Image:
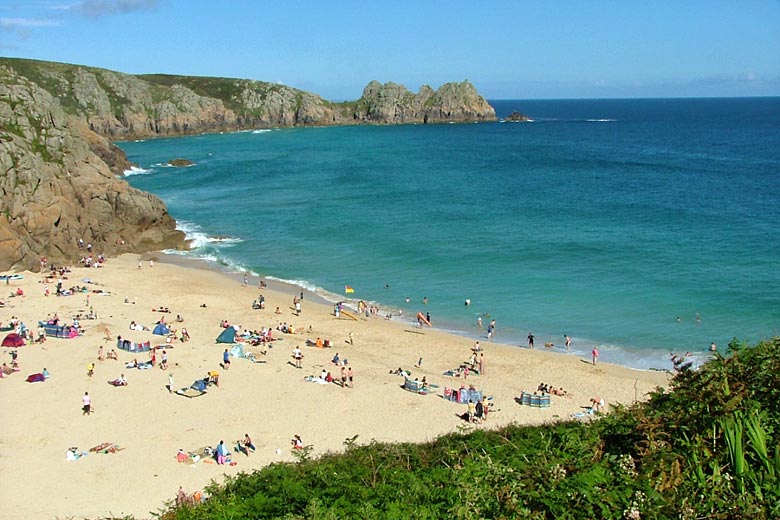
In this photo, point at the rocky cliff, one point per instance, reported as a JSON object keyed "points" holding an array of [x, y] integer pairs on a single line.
{"points": [[56, 189], [122, 106], [58, 164]]}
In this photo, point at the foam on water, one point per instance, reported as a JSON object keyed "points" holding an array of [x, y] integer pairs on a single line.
{"points": [[135, 170]]}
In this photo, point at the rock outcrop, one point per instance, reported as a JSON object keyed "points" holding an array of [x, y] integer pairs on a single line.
{"points": [[56, 189], [59, 166]]}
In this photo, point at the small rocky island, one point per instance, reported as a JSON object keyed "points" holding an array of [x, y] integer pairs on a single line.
{"points": [[517, 117], [180, 163]]}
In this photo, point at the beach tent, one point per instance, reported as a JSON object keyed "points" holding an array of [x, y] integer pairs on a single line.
{"points": [[161, 329], [13, 340], [227, 336]]}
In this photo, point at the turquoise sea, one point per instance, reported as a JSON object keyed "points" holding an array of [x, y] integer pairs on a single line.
{"points": [[603, 219]]}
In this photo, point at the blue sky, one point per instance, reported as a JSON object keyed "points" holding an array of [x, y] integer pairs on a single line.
{"points": [[508, 49]]}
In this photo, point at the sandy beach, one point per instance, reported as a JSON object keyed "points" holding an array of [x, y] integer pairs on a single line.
{"points": [[270, 401]]}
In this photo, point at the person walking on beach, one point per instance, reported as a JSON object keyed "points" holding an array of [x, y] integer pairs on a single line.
{"points": [[567, 339], [297, 356], [531, 340], [595, 354], [170, 383], [226, 359], [343, 377], [350, 378], [86, 402], [297, 307]]}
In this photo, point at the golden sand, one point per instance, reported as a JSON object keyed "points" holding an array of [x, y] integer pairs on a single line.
{"points": [[270, 401]]}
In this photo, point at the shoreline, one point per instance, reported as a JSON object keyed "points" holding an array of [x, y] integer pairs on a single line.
{"points": [[270, 401], [663, 356]]}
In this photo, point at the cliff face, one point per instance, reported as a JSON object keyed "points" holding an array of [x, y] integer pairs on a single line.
{"points": [[55, 189], [123, 106], [58, 165]]}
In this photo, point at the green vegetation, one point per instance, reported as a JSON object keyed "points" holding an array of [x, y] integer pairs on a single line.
{"points": [[706, 449]]}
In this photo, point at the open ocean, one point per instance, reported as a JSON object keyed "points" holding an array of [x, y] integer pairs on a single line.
{"points": [[602, 219]]}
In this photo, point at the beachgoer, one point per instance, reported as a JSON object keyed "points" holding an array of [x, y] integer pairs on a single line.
{"points": [[351, 379], [296, 442], [567, 339], [297, 356], [594, 354], [170, 383], [479, 322], [248, 444], [323, 374], [428, 317], [343, 377], [698, 318], [100, 356], [226, 359], [472, 409], [713, 347], [530, 340], [297, 308], [91, 369], [351, 338], [164, 362], [86, 402], [222, 453], [336, 360], [425, 300], [481, 364]]}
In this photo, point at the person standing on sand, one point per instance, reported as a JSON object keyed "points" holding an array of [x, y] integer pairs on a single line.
{"points": [[481, 364], [351, 338], [595, 354], [86, 402], [350, 377], [226, 359], [170, 383], [343, 377], [531, 340]]}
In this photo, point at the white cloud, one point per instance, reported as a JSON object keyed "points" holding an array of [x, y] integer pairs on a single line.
{"points": [[96, 8], [26, 23]]}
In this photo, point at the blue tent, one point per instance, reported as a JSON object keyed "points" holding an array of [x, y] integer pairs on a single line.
{"points": [[227, 336], [161, 329]]}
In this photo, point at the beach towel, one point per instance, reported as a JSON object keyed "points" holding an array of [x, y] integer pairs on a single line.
{"points": [[190, 392], [36, 378]]}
